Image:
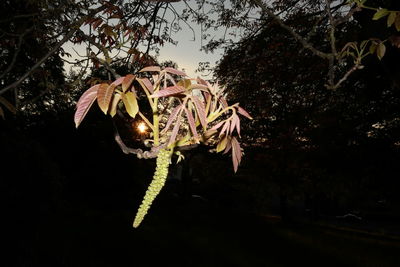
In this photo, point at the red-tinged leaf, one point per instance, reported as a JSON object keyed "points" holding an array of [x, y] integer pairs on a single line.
{"points": [[225, 128], [174, 71], [233, 123], [118, 81], [228, 146], [192, 124], [114, 104], [130, 103], [97, 23], [201, 111], [219, 124], [169, 77], [236, 153], [238, 125], [198, 86], [104, 96], [201, 81], [151, 68], [169, 91], [84, 104], [223, 102], [175, 132], [244, 113], [172, 117], [127, 81], [146, 84]]}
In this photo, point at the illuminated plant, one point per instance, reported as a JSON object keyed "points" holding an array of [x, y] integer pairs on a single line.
{"points": [[185, 113]]}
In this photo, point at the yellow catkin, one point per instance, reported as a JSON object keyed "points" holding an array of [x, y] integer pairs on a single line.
{"points": [[160, 175]]}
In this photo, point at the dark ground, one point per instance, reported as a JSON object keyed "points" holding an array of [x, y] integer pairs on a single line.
{"points": [[70, 201]]}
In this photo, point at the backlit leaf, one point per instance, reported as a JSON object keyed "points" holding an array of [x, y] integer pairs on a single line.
{"points": [[185, 83], [225, 128], [146, 84], [127, 82], [233, 123], [175, 131], [130, 103], [201, 111], [228, 146], [172, 117], [236, 153], [244, 113], [151, 68], [118, 81], [169, 91], [215, 127], [222, 144], [84, 104], [104, 96], [174, 71], [192, 124], [114, 104]]}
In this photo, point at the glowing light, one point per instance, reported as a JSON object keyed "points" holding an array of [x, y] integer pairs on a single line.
{"points": [[142, 127]]}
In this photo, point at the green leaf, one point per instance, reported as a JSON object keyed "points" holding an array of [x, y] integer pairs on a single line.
{"points": [[222, 144], [373, 47], [114, 104], [397, 22], [382, 12], [391, 18], [380, 52], [130, 103]]}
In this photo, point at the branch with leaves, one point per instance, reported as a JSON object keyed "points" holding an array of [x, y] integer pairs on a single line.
{"points": [[185, 113]]}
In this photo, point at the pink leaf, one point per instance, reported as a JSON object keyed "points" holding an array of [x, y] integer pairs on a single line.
{"points": [[244, 113], [201, 81], [172, 117], [201, 111], [238, 125], [175, 131], [228, 146], [223, 102], [174, 71], [146, 84], [169, 77], [118, 81], [169, 91], [233, 123], [219, 124], [84, 104], [198, 86], [192, 124], [236, 153], [151, 68], [225, 128], [104, 96], [127, 82]]}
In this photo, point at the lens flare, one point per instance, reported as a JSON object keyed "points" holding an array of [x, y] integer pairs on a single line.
{"points": [[142, 127]]}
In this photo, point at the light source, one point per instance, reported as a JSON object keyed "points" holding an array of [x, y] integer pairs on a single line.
{"points": [[142, 127]]}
